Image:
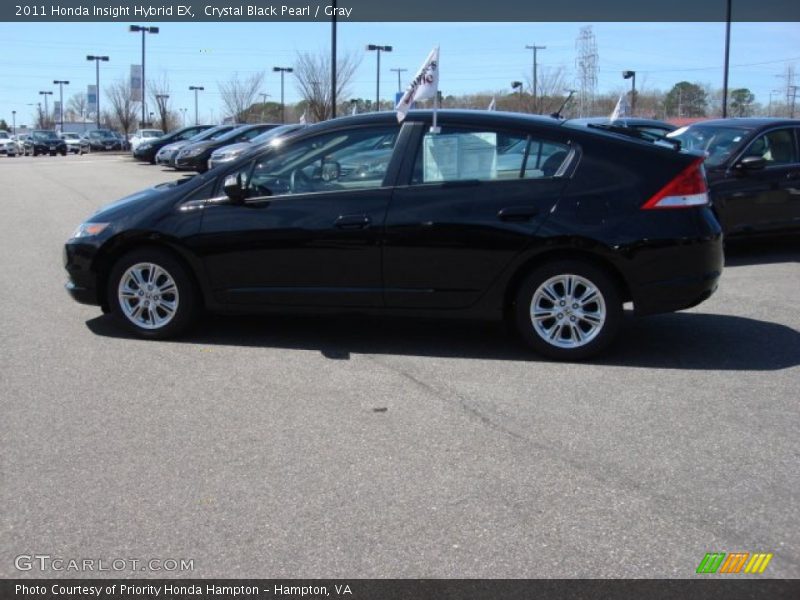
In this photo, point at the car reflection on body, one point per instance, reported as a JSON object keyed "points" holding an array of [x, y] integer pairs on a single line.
{"points": [[362, 214]]}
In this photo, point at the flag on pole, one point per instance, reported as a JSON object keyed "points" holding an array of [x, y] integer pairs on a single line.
{"points": [[492, 104], [621, 110], [303, 118], [423, 86]]}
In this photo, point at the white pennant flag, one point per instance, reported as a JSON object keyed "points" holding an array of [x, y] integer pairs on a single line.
{"points": [[303, 118], [621, 109], [492, 104], [423, 86]]}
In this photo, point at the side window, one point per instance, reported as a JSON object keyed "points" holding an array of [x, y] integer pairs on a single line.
{"points": [[337, 161], [470, 154], [776, 147]]}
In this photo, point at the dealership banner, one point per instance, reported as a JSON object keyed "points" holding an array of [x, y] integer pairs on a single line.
{"points": [[91, 99], [136, 83], [400, 589], [408, 10]]}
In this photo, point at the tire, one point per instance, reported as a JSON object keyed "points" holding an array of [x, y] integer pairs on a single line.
{"points": [[586, 297], [176, 307]]}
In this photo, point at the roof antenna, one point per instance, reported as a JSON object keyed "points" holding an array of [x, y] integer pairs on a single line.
{"points": [[557, 114]]}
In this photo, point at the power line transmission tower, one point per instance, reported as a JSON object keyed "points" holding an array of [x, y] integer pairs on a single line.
{"points": [[586, 66], [790, 87]]}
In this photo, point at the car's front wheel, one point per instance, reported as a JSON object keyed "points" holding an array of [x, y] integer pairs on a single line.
{"points": [[568, 309], [152, 294]]}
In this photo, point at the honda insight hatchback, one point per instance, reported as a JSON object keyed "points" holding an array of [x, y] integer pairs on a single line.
{"points": [[367, 215]]}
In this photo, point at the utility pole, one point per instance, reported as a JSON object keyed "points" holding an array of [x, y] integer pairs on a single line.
{"points": [[791, 96], [333, 61], [398, 71], [727, 56], [535, 49]]}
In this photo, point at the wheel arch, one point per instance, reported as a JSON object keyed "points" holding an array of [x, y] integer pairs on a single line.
{"points": [[563, 253], [121, 245]]}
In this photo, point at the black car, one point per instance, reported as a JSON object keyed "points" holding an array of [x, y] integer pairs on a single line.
{"points": [[44, 141], [652, 128], [147, 150], [753, 168], [195, 156], [102, 139], [585, 221]]}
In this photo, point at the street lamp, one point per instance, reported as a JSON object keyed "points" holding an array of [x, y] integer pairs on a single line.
{"points": [[378, 49], [136, 29], [46, 110], [61, 83], [398, 71], [517, 85], [632, 76], [195, 89], [97, 60], [282, 70]]}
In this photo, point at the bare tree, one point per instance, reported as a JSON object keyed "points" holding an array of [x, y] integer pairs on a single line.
{"points": [[313, 73], [78, 104], [551, 90], [159, 93], [123, 107], [238, 95]]}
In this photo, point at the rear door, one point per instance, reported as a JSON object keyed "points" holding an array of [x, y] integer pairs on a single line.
{"points": [[472, 197]]}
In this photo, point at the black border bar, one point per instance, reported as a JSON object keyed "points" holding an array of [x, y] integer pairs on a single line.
{"points": [[700, 588], [400, 10]]}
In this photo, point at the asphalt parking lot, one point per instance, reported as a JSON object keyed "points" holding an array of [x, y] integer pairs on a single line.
{"points": [[353, 447]]}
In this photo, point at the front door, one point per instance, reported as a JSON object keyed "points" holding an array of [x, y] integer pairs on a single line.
{"points": [[309, 232]]}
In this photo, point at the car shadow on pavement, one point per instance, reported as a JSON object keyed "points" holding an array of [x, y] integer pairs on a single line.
{"points": [[762, 251], [693, 341]]}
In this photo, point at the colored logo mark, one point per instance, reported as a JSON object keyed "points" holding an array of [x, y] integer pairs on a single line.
{"points": [[734, 562]]}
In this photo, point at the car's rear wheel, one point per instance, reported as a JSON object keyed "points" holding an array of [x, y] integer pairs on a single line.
{"points": [[568, 309], [152, 294]]}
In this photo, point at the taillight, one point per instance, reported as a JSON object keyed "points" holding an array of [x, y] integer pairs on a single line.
{"points": [[686, 190]]}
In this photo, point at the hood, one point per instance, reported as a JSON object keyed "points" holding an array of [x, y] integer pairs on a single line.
{"points": [[144, 202], [174, 146]]}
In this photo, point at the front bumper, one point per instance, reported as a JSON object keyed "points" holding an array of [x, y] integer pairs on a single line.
{"points": [[82, 284]]}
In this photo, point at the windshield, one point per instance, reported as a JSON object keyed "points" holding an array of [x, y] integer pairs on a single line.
{"points": [[45, 135], [718, 142], [151, 133], [274, 133], [211, 134], [70, 136]]}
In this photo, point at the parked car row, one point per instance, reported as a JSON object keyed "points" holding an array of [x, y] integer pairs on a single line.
{"points": [[203, 147], [49, 141]]}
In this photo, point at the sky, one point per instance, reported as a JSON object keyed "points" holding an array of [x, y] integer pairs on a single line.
{"points": [[474, 57]]}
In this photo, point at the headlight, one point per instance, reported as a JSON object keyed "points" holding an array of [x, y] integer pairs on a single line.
{"points": [[89, 229], [225, 156], [192, 151]]}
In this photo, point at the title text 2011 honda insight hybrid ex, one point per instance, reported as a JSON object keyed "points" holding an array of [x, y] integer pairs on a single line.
{"points": [[550, 225]]}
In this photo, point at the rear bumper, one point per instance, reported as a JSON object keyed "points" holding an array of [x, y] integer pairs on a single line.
{"points": [[680, 276]]}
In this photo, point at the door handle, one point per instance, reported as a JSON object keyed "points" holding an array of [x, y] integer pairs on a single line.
{"points": [[517, 213], [353, 222]]}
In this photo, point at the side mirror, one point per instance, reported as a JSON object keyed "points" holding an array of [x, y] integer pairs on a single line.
{"points": [[751, 163], [235, 187], [330, 170]]}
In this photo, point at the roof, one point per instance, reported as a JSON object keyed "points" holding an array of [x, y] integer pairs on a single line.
{"points": [[749, 122]]}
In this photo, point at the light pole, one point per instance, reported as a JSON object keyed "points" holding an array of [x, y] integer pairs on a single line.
{"points": [[632, 76], [195, 89], [161, 100], [398, 71], [97, 60], [535, 49], [333, 60], [282, 70], [264, 97], [378, 49], [14, 122], [144, 30], [46, 110], [727, 57], [61, 83], [183, 116]]}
